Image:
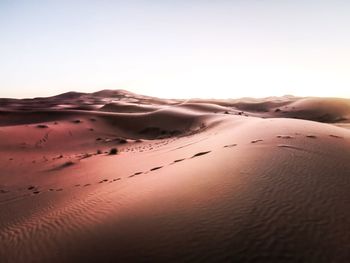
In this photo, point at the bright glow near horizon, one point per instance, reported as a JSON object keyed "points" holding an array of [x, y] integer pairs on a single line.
{"points": [[176, 49]]}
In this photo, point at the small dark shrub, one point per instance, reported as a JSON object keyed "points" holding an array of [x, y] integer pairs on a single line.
{"points": [[113, 151]]}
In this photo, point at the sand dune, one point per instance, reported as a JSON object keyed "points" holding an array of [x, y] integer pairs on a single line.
{"points": [[191, 181], [127, 108], [323, 110]]}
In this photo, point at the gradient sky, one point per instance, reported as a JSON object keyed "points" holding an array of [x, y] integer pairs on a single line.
{"points": [[184, 49]]}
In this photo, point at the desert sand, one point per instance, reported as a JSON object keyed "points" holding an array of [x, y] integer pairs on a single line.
{"points": [[236, 180]]}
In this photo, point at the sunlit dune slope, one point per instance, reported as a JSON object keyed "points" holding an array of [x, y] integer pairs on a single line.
{"points": [[190, 181]]}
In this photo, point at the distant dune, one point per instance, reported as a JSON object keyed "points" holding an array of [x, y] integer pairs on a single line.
{"points": [[114, 176]]}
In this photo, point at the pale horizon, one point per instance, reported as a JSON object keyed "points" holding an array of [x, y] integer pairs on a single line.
{"points": [[226, 49], [178, 97]]}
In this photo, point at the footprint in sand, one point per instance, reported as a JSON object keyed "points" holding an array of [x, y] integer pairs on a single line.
{"points": [[179, 160], [290, 147], [31, 188], [86, 185], [335, 136], [36, 192], [116, 179], [284, 136], [255, 141], [135, 174], [311, 136], [3, 191], [51, 190], [77, 185], [156, 168], [200, 154], [230, 145], [103, 181]]}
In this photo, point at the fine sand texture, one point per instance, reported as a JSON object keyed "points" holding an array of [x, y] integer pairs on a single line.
{"points": [[114, 176]]}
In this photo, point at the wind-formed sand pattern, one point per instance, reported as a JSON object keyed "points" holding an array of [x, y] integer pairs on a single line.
{"points": [[114, 176]]}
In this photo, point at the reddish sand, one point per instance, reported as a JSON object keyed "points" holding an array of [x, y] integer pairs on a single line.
{"points": [[245, 180]]}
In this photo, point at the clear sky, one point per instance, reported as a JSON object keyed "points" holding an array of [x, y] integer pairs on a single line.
{"points": [[179, 48]]}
